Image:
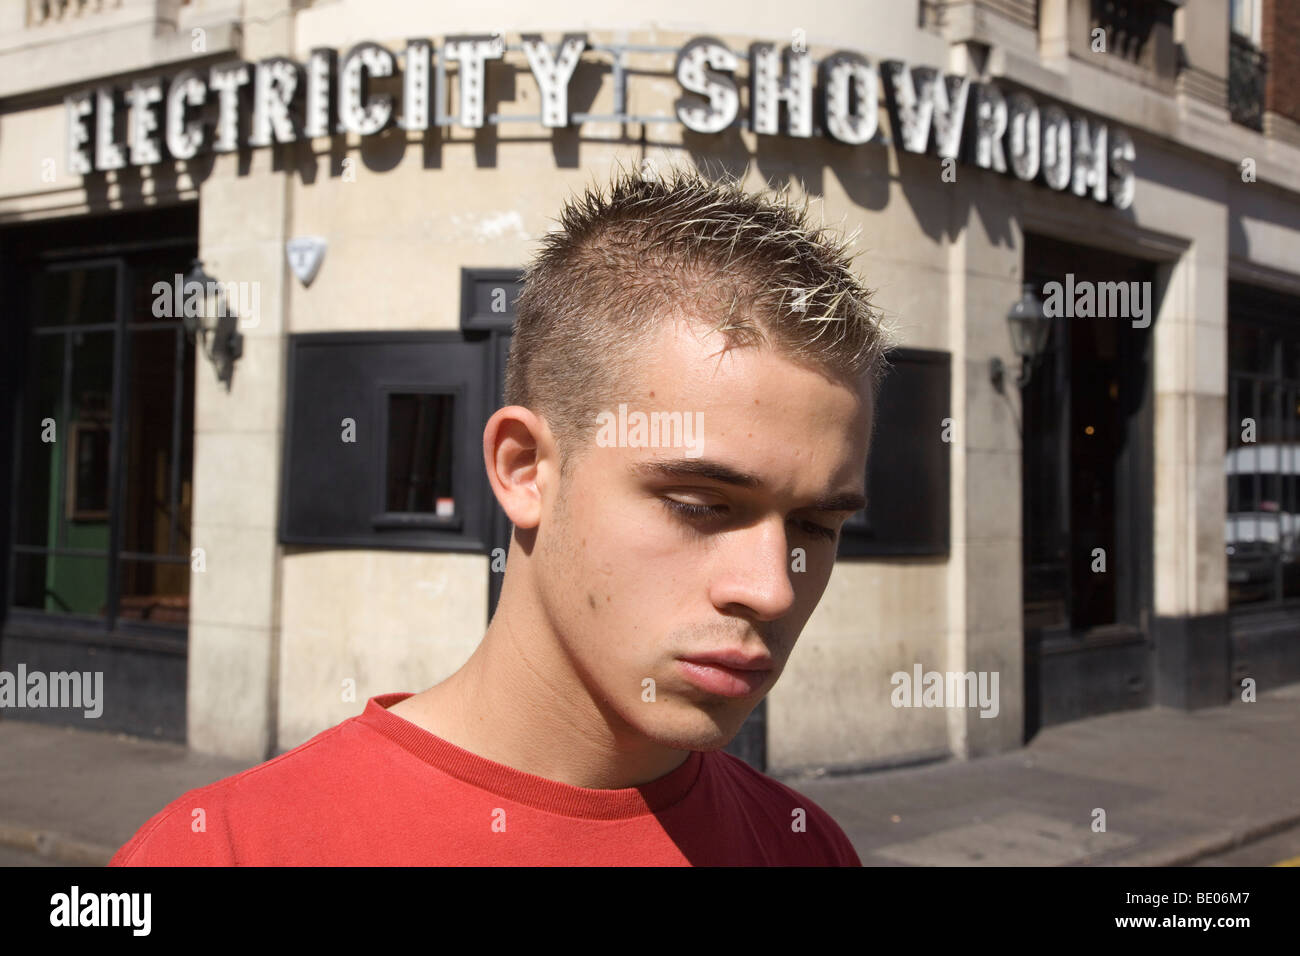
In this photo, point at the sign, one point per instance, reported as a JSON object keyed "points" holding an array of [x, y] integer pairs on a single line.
{"points": [[236, 105], [305, 254]]}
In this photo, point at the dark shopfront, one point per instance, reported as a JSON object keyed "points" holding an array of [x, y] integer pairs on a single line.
{"points": [[1262, 468], [1087, 486], [1092, 642], [98, 404]]}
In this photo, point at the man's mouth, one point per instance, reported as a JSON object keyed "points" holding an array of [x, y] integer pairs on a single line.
{"points": [[727, 674]]}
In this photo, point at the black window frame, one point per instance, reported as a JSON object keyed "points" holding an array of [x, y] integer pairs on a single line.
{"points": [[382, 518], [379, 529], [474, 278], [888, 487], [123, 257]]}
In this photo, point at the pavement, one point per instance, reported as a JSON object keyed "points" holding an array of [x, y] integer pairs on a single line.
{"points": [[1176, 787]]}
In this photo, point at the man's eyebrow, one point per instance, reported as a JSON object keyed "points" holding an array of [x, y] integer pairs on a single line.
{"points": [[725, 474]]}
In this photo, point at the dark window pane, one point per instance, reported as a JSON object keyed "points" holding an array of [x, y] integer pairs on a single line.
{"points": [[76, 296], [1243, 392], [88, 433], [1262, 539], [61, 584], [1045, 509], [156, 519], [146, 291], [88, 491], [1096, 439], [1251, 347], [1270, 412], [39, 432], [1270, 496], [1245, 492], [29, 572], [155, 591], [419, 454]]}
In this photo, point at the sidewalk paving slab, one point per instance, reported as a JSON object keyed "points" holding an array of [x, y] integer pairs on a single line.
{"points": [[1176, 786]]}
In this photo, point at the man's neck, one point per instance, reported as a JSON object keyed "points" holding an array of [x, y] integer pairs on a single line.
{"points": [[517, 702]]}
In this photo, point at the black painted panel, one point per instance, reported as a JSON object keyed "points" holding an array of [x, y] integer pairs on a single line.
{"points": [[333, 490], [1193, 663], [1265, 647], [482, 305], [908, 467], [143, 691], [1094, 680]]}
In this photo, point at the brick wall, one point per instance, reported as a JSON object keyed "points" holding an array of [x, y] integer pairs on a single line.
{"points": [[1280, 37]]}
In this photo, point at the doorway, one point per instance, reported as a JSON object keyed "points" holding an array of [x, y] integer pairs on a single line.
{"points": [[1087, 467]]}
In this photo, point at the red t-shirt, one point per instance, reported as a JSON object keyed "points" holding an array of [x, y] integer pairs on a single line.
{"points": [[379, 790]]}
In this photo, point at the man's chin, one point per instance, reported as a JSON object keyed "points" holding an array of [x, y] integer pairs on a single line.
{"points": [[697, 730]]}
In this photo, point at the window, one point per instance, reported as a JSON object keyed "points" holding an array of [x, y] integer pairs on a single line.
{"points": [[1086, 461], [105, 445], [419, 454], [418, 487], [1247, 65], [1139, 37], [1244, 16], [907, 474], [1262, 464], [383, 440]]}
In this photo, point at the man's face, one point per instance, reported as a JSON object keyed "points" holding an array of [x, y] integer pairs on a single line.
{"points": [[633, 587]]}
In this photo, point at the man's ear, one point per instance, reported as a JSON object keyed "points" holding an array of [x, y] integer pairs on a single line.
{"points": [[520, 456]]}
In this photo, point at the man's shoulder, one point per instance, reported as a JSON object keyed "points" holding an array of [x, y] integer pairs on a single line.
{"points": [[199, 827], [785, 806], [759, 785]]}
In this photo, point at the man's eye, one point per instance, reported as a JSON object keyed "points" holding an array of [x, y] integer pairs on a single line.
{"points": [[694, 512], [688, 510], [821, 531]]}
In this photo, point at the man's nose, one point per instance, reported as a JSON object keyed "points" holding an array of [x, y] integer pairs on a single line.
{"points": [[756, 571]]}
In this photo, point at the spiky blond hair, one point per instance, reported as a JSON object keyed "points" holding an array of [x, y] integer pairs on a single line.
{"points": [[746, 265]]}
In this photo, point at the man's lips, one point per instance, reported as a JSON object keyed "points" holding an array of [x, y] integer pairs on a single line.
{"points": [[727, 674], [733, 660]]}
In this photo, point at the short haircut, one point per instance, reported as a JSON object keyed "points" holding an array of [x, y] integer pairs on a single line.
{"points": [[747, 265]]}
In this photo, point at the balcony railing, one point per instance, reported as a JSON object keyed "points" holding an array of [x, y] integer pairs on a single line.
{"points": [[1247, 67], [1137, 32], [58, 11]]}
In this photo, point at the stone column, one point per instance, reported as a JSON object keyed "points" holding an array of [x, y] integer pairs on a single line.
{"points": [[234, 617], [1190, 356], [985, 630]]}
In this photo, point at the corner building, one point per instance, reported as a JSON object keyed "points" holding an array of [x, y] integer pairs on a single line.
{"points": [[188, 513]]}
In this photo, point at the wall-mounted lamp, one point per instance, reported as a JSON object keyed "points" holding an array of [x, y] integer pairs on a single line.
{"points": [[215, 330], [1030, 327]]}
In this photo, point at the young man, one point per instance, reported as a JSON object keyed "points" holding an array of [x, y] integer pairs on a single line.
{"points": [[690, 396]]}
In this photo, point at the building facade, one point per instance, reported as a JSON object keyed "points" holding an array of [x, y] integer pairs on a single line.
{"points": [[249, 491]]}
